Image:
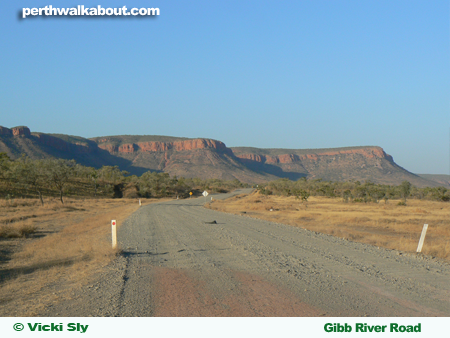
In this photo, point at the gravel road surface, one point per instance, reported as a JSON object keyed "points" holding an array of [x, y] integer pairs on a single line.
{"points": [[175, 264]]}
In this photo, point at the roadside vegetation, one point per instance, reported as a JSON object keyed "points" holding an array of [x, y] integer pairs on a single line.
{"points": [[70, 242], [60, 178], [22, 181], [382, 215], [55, 224], [391, 224], [354, 191]]}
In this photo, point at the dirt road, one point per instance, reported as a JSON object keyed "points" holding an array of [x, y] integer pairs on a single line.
{"points": [[175, 264]]}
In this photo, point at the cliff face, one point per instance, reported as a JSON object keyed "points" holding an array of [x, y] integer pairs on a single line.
{"points": [[207, 158], [369, 153], [359, 163], [18, 131], [157, 146], [200, 157]]}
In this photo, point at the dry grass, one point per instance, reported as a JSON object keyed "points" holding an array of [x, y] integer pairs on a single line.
{"points": [[386, 225], [17, 230], [68, 244]]}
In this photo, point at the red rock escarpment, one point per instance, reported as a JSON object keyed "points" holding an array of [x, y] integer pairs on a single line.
{"points": [[127, 148], [156, 146], [366, 152], [252, 157], [199, 144], [370, 152], [18, 131], [286, 158]]}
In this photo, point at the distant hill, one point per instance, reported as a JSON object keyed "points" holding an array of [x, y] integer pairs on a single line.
{"points": [[443, 180], [208, 158], [334, 164], [205, 158]]}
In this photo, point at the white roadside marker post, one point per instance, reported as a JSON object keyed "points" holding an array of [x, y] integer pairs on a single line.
{"points": [[139, 202], [114, 233], [422, 238]]}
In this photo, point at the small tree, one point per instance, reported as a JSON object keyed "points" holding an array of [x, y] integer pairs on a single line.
{"points": [[5, 169], [377, 193], [405, 190], [93, 175], [4, 165], [303, 195], [361, 193], [31, 174], [59, 173], [346, 195]]}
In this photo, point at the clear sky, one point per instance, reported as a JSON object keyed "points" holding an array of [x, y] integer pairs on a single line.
{"points": [[269, 74]]}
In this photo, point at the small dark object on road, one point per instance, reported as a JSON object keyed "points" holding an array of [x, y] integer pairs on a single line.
{"points": [[213, 222]]}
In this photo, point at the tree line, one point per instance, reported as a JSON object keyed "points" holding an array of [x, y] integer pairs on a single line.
{"points": [[353, 191], [25, 177]]}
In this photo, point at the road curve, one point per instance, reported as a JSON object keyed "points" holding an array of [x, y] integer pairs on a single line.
{"points": [[175, 264]]}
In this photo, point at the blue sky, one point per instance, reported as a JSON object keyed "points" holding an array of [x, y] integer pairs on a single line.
{"points": [[269, 74]]}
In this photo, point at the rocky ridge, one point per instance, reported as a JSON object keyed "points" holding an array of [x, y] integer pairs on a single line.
{"points": [[368, 152], [208, 158], [157, 146]]}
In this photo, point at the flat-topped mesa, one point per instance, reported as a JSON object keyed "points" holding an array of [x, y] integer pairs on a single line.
{"points": [[157, 146], [368, 152], [199, 143], [270, 159], [208, 158], [22, 130]]}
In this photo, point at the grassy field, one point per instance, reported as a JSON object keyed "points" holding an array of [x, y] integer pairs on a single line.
{"points": [[60, 247], [385, 225]]}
